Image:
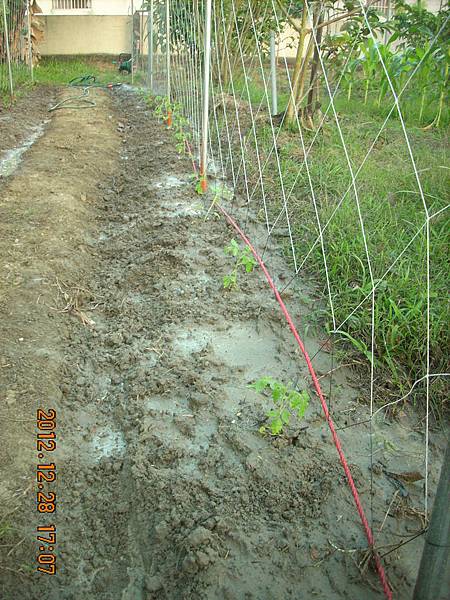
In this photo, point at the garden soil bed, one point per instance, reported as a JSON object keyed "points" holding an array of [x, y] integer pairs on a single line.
{"points": [[113, 313]]}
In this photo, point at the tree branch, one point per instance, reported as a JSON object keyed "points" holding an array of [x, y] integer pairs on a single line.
{"points": [[288, 17], [346, 15]]}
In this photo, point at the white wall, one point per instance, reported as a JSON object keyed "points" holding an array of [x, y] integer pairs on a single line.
{"points": [[94, 34], [99, 7]]}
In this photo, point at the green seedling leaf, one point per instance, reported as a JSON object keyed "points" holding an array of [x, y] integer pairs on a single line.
{"points": [[302, 405], [229, 281], [276, 426], [262, 384], [286, 404], [248, 262], [285, 416], [278, 392], [232, 248], [243, 257]]}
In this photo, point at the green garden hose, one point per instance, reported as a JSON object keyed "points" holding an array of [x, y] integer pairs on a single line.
{"points": [[81, 101]]}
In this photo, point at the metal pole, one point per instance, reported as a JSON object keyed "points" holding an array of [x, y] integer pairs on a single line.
{"points": [[132, 42], [168, 53], [150, 47], [8, 52], [30, 47], [206, 84], [433, 580], [273, 73]]}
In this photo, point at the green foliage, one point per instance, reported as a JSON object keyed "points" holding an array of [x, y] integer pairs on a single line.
{"points": [[15, 11], [180, 127], [161, 107], [353, 32], [412, 48], [244, 260], [412, 25], [393, 216], [181, 29], [394, 219], [287, 403], [428, 65]]}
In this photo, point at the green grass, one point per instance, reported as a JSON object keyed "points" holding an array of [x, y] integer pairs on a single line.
{"points": [[390, 204], [255, 90], [410, 104], [7, 533], [393, 213], [57, 71], [21, 82]]}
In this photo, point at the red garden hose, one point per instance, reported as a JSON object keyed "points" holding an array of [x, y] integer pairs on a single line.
{"points": [[336, 440]]}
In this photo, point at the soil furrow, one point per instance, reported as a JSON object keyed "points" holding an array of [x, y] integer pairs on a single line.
{"points": [[166, 488]]}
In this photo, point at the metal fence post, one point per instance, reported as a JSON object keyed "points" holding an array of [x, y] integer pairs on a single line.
{"points": [[169, 91], [150, 46], [132, 42], [30, 47], [433, 580], [273, 73], [8, 51], [206, 84]]}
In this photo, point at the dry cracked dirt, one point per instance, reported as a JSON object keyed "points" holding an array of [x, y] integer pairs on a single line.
{"points": [[113, 313]]}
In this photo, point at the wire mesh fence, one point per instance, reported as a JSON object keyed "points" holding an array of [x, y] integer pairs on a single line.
{"points": [[16, 59], [321, 147]]}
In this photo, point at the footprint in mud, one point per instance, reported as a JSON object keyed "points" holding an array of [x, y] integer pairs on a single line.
{"points": [[107, 442]]}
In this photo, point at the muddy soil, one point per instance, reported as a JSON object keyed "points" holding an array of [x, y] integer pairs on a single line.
{"points": [[114, 314], [21, 125]]}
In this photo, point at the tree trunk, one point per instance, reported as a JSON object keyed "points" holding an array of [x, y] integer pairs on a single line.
{"points": [[299, 68], [314, 86]]}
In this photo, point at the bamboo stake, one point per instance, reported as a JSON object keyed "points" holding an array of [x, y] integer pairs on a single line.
{"points": [[206, 85], [8, 52]]}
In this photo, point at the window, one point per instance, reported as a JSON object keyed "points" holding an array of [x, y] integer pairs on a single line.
{"points": [[383, 6], [71, 4]]}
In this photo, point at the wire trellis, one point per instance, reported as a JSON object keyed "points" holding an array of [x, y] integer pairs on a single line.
{"points": [[251, 171]]}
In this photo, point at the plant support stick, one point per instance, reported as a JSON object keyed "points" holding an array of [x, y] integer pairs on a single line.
{"points": [[150, 46], [8, 52], [273, 73], [30, 46], [206, 83], [169, 112]]}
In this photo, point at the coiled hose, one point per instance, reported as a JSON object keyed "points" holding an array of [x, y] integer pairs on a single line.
{"points": [[86, 82]]}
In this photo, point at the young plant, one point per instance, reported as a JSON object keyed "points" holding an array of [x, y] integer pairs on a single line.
{"points": [[219, 192], [162, 107], [349, 75], [200, 186], [287, 403], [243, 258], [369, 63]]}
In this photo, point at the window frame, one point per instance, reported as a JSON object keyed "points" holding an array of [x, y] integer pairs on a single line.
{"points": [[71, 5]]}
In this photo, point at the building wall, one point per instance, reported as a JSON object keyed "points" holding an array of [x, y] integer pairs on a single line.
{"points": [[86, 35], [106, 29], [99, 7]]}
